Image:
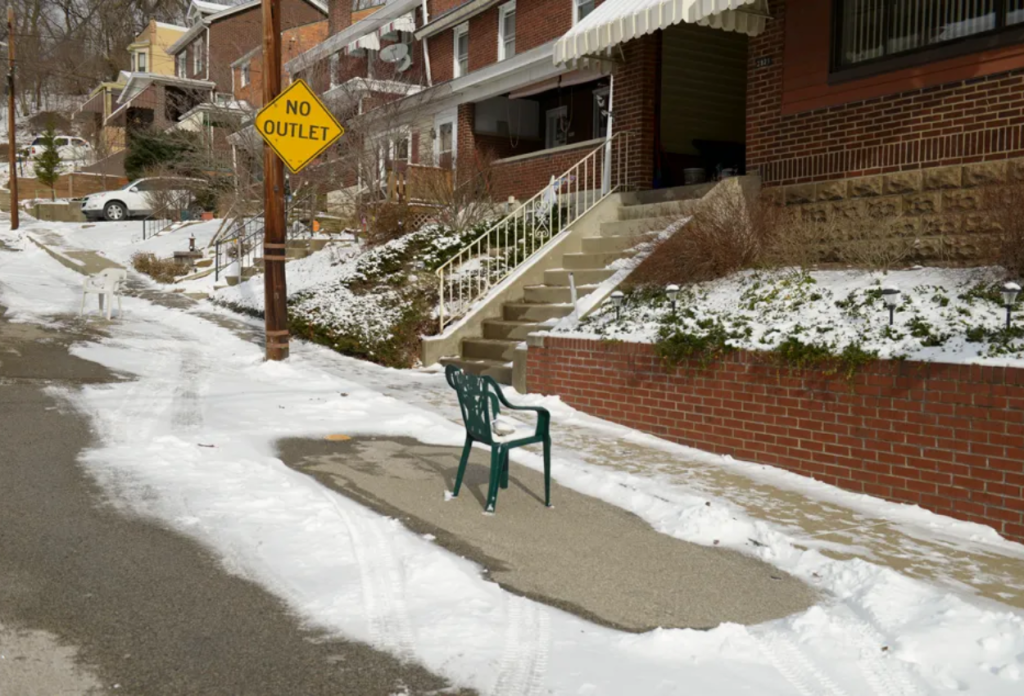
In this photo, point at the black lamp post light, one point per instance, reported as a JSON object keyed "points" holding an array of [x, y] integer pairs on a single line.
{"points": [[672, 292], [891, 297], [617, 297], [1010, 291]]}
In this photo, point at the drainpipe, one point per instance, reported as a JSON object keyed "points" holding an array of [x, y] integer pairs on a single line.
{"points": [[606, 175], [426, 53]]}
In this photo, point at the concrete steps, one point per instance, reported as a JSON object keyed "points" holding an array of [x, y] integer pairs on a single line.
{"points": [[554, 294], [641, 218], [498, 350], [501, 329], [500, 371]]}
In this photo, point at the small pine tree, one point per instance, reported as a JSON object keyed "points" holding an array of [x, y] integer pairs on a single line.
{"points": [[48, 163]]}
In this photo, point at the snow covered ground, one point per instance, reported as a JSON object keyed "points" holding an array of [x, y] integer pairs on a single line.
{"points": [[189, 441], [943, 315], [119, 241]]}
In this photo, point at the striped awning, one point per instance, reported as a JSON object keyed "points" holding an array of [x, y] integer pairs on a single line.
{"points": [[406, 22], [615, 22], [367, 41]]}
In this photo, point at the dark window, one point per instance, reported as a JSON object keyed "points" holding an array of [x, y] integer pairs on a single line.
{"points": [[868, 31]]}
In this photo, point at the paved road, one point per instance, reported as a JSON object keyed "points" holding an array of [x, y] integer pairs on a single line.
{"points": [[100, 603]]}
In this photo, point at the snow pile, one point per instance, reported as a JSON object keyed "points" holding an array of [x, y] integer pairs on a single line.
{"points": [[371, 303], [941, 315], [190, 441]]}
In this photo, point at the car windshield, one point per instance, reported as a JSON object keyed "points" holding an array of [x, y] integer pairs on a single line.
{"points": [[38, 141], [129, 185]]}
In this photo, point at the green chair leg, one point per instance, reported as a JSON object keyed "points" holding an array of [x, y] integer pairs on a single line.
{"points": [[504, 469], [492, 489], [462, 466], [547, 471]]}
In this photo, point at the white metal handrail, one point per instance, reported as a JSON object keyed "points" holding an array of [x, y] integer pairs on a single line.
{"points": [[516, 238]]}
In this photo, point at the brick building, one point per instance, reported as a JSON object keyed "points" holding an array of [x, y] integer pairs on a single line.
{"points": [[218, 38], [519, 84]]}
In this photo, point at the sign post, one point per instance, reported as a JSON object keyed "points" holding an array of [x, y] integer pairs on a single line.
{"points": [[296, 128]]}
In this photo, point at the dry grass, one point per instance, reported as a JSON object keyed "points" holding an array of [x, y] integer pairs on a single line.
{"points": [[723, 236], [160, 270], [386, 221]]}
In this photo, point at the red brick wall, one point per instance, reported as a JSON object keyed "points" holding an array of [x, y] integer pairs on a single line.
{"points": [[524, 178], [234, 36], [964, 120], [635, 105], [949, 438], [293, 42]]}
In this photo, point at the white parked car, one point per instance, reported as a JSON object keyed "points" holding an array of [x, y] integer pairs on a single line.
{"points": [[68, 147], [142, 197]]}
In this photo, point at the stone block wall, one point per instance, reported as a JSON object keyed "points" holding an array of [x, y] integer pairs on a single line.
{"points": [[948, 214]]}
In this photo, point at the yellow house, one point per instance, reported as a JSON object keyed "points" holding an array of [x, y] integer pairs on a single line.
{"points": [[148, 55], [149, 49]]}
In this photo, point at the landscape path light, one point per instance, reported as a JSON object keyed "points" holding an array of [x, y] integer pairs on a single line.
{"points": [[891, 297], [672, 291], [1010, 292], [617, 302]]}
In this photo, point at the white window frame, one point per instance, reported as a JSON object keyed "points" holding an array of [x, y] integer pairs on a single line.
{"points": [[243, 75], [600, 92], [450, 117], [559, 112], [576, 9], [333, 65], [457, 33], [197, 58], [141, 63], [503, 11], [182, 64]]}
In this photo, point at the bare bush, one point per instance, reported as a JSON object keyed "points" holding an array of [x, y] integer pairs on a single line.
{"points": [[160, 270], [725, 234]]}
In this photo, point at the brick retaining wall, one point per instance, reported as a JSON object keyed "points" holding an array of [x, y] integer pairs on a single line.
{"points": [[949, 438]]}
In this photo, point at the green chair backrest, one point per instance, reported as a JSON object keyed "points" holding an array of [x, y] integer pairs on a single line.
{"points": [[478, 403]]}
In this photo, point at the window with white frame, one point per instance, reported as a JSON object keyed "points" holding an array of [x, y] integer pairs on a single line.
{"points": [[140, 61], [444, 144], [556, 127], [181, 64], [601, 112], [243, 75], [581, 8], [506, 31], [333, 66], [461, 43], [197, 58]]}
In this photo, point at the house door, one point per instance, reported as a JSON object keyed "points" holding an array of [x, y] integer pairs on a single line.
{"points": [[445, 135]]}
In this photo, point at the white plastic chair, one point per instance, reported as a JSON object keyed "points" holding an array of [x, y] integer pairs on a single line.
{"points": [[106, 285]]}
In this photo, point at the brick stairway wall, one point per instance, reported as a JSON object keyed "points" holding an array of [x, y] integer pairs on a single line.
{"points": [[949, 438]]}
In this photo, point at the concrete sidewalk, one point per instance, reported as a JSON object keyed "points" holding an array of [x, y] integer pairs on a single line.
{"points": [[582, 555]]}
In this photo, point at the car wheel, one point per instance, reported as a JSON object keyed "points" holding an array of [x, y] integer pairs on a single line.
{"points": [[115, 211]]}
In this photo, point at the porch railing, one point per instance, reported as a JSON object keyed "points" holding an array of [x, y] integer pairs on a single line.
{"points": [[515, 239]]}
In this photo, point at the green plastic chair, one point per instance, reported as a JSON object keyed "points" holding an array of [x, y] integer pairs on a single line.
{"points": [[480, 399]]}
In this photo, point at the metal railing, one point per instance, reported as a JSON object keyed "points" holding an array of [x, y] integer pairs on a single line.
{"points": [[516, 238], [155, 224], [241, 245]]}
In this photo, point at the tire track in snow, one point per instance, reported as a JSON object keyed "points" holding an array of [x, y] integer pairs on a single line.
{"points": [[524, 662], [381, 579], [798, 669], [887, 674]]}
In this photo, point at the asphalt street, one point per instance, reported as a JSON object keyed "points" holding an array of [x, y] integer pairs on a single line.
{"points": [[93, 601]]}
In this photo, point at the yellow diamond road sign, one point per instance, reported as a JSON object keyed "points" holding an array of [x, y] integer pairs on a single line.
{"points": [[298, 126]]}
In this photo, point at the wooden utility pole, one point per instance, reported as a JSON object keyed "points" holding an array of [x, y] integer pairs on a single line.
{"points": [[275, 297], [12, 143]]}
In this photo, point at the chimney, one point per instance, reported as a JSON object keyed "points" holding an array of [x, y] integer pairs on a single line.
{"points": [[339, 15]]}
